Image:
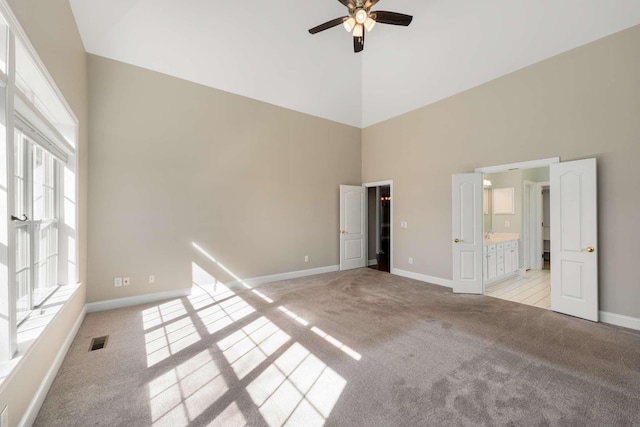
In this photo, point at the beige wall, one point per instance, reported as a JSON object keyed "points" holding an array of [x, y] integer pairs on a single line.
{"points": [[173, 162], [584, 103], [51, 27]]}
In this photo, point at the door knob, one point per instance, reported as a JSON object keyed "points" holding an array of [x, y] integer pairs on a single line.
{"points": [[457, 240], [589, 249]]}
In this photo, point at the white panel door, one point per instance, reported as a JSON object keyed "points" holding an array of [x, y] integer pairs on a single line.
{"points": [[352, 227], [467, 233], [574, 233]]}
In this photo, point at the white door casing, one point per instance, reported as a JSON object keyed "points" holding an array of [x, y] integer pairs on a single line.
{"points": [[574, 233], [467, 233], [353, 227]]}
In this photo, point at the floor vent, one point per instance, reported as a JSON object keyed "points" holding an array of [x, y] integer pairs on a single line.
{"points": [[98, 343]]}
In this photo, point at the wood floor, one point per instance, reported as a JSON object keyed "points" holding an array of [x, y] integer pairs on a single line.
{"points": [[534, 288]]}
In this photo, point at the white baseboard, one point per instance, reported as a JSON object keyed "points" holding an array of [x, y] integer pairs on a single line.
{"points": [[135, 300], [423, 277], [373, 262], [255, 281], [620, 320], [147, 298], [31, 413]]}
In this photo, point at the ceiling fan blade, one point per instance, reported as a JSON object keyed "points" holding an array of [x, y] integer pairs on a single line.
{"points": [[348, 3], [370, 3], [327, 25], [392, 18], [358, 43]]}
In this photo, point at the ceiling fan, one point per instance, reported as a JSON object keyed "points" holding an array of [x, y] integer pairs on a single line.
{"points": [[361, 17]]}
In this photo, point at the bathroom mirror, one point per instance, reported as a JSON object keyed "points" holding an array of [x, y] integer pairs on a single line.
{"points": [[504, 201]]}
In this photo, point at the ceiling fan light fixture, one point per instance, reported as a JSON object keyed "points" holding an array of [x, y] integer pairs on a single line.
{"points": [[369, 24], [358, 31], [361, 16], [349, 24]]}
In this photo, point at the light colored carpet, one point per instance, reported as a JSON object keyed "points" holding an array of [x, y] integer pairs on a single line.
{"points": [[355, 348]]}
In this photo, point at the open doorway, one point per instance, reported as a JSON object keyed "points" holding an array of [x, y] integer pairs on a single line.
{"points": [[379, 227], [516, 235], [573, 233], [546, 227]]}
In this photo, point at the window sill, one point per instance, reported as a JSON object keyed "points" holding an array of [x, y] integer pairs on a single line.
{"points": [[34, 326]]}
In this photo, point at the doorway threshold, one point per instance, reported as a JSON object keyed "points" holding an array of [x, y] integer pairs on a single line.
{"points": [[533, 288]]}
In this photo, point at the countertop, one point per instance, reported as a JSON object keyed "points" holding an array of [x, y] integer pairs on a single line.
{"points": [[500, 237]]}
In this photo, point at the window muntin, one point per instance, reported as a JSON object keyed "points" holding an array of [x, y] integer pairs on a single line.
{"points": [[36, 226]]}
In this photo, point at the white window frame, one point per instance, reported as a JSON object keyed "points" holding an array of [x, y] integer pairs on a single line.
{"points": [[44, 132]]}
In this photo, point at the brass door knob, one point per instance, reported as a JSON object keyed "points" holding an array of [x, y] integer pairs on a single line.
{"points": [[457, 240], [590, 249]]}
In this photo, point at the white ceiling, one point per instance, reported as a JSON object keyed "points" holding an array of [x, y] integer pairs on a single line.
{"points": [[262, 50]]}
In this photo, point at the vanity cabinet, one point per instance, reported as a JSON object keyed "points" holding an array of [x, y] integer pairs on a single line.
{"points": [[501, 260], [491, 263]]}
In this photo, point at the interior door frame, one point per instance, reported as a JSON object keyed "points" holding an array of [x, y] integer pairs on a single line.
{"points": [[528, 223], [368, 185], [531, 164]]}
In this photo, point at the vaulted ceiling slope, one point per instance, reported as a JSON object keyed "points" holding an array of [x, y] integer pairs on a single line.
{"points": [[262, 50]]}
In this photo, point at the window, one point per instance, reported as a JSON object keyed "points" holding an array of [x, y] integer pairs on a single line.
{"points": [[38, 182], [35, 224]]}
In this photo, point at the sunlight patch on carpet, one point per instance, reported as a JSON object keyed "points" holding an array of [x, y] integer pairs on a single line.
{"points": [[248, 347], [297, 388]]}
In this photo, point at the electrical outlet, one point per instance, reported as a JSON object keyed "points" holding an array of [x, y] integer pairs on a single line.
{"points": [[152, 279], [126, 281], [403, 224], [410, 260], [306, 258], [117, 282]]}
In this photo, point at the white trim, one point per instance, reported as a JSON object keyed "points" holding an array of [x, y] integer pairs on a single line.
{"points": [[111, 304], [529, 222], [31, 413], [255, 281], [373, 262], [520, 165], [423, 278], [54, 138], [620, 320], [378, 183]]}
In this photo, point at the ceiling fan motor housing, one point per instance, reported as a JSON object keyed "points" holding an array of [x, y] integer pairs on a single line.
{"points": [[361, 17]]}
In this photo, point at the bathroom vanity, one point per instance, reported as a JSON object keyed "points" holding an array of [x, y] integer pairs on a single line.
{"points": [[501, 256]]}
